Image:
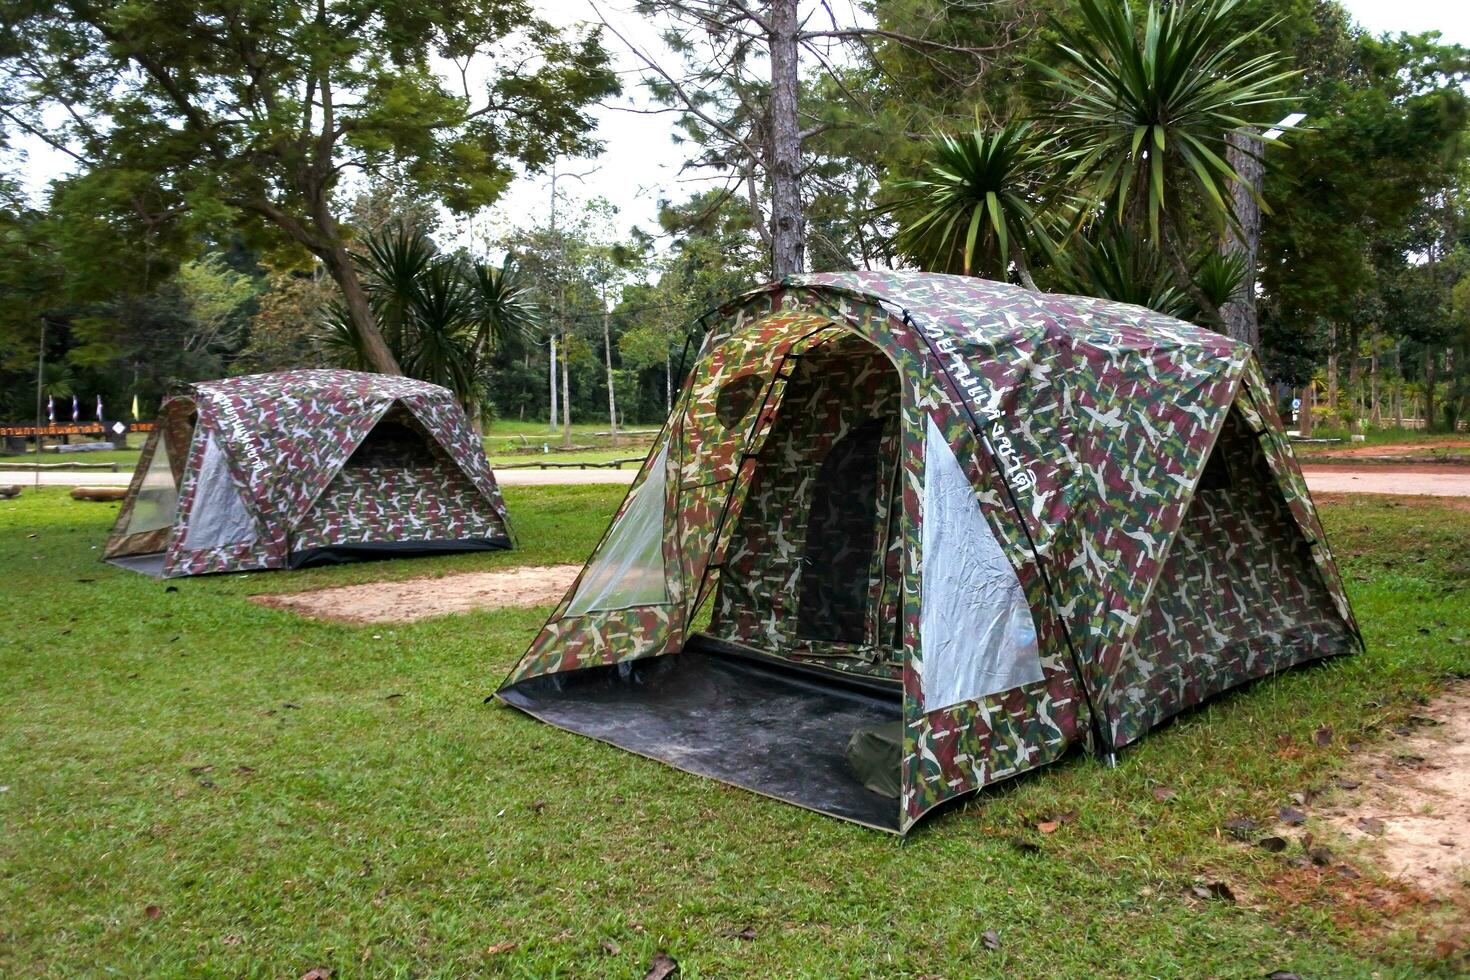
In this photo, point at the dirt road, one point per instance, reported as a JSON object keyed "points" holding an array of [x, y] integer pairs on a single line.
{"points": [[1433, 479]]}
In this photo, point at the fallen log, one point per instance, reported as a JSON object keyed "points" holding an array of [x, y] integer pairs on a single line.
{"points": [[98, 493]]}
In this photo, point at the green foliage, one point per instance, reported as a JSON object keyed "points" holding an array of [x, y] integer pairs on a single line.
{"points": [[981, 205], [443, 315], [185, 113], [1112, 261], [1145, 108]]}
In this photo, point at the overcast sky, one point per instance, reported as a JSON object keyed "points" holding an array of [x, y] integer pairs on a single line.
{"points": [[641, 164]]}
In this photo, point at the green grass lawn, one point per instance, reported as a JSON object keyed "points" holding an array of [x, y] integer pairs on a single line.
{"points": [[195, 785]]}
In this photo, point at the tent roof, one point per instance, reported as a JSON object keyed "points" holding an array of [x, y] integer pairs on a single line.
{"points": [[979, 311], [320, 385]]}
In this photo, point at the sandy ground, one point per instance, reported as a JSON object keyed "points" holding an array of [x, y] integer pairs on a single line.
{"points": [[1408, 803], [1383, 449], [1439, 480], [419, 598], [508, 478], [1433, 479]]}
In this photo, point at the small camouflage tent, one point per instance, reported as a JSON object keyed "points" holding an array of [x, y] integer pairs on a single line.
{"points": [[304, 467], [946, 528]]}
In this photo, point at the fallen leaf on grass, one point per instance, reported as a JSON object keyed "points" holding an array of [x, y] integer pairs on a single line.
{"points": [[1048, 826], [1348, 784], [662, 967], [1371, 825], [200, 770], [747, 933], [498, 948], [1291, 816], [1241, 828], [611, 948], [1163, 794], [1320, 856], [317, 973], [1025, 846], [1282, 975], [1213, 889], [991, 939], [153, 911], [1323, 736], [1273, 844], [232, 940]]}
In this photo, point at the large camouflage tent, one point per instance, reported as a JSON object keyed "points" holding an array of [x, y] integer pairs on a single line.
{"points": [[306, 467], [947, 523]]}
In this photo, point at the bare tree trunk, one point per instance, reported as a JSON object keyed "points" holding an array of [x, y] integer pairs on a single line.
{"points": [[1244, 155], [553, 382], [359, 310], [1332, 369], [566, 397], [1429, 382], [1355, 384], [612, 402], [1304, 416], [40, 387], [787, 227], [1376, 412], [1398, 387], [668, 385]]}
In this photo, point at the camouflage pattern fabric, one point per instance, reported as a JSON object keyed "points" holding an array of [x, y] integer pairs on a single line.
{"points": [[1085, 427], [286, 438]]}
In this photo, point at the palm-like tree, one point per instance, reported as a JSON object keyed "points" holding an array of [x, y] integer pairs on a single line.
{"points": [[1110, 260], [981, 205], [1145, 110], [441, 315]]}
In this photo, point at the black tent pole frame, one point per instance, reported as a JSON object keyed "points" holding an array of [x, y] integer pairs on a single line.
{"points": [[1102, 749]]}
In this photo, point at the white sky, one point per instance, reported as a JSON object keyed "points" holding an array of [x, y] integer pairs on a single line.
{"points": [[641, 164]]}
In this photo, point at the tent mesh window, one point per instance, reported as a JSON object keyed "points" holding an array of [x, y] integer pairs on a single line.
{"points": [[813, 569], [841, 539], [157, 504]]}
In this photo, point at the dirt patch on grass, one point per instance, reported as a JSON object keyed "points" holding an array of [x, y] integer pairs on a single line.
{"points": [[419, 598], [1408, 803], [1382, 449]]}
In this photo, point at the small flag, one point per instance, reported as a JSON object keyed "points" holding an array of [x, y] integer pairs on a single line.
{"points": [[51, 410], [99, 408], [73, 408], [135, 408]]}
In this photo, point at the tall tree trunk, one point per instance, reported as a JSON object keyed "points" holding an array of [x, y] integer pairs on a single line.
{"points": [[787, 226], [566, 396], [359, 311], [1304, 416], [1429, 382], [40, 387], [1332, 369], [1355, 383], [1244, 156], [553, 382], [1376, 411], [612, 401], [668, 384]]}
